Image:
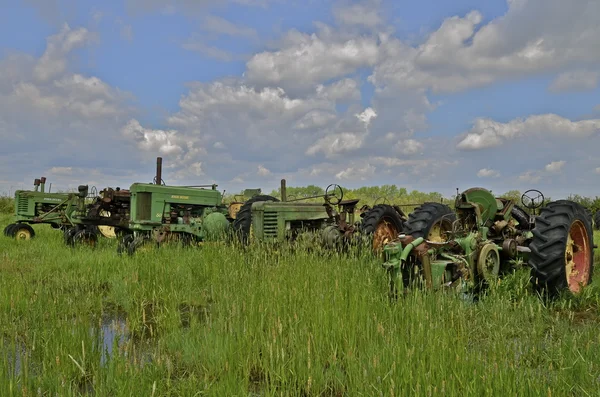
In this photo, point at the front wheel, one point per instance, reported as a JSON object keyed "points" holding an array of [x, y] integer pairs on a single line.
{"points": [[22, 231], [8, 230], [562, 254]]}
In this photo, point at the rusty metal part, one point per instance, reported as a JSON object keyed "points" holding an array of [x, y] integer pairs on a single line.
{"points": [[385, 233], [509, 249], [158, 170], [577, 260], [283, 190]]}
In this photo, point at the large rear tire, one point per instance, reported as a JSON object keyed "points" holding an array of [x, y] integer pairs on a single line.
{"points": [[562, 255], [381, 224], [243, 221], [430, 221], [597, 220]]}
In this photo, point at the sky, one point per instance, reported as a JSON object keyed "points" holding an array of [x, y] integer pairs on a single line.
{"points": [[426, 95]]}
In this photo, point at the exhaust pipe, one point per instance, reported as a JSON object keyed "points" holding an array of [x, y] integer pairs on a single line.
{"points": [[159, 171], [36, 184], [42, 183], [283, 191]]}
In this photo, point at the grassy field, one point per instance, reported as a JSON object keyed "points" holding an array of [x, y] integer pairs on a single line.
{"points": [[223, 322]]}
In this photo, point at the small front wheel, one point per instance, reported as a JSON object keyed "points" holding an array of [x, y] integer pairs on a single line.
{"points": [[22, 231]]}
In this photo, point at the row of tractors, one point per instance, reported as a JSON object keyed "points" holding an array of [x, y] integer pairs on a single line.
{"points": [[467, 248]]}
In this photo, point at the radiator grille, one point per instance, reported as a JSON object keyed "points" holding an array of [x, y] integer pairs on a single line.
{"points": [[23, 205], [270, 224]]}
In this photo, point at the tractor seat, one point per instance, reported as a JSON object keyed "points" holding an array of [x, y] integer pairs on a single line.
{"points": [[349, 202]]}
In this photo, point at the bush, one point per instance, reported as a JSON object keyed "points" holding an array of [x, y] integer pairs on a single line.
{"points": [[6, 205]]}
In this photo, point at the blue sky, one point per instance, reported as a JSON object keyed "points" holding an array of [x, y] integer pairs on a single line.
{"points": [[427, 95]]}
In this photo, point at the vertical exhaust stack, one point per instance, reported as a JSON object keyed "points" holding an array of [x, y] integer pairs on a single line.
{"points": [[283, 191], [36, 184], [42, 183], [159, 171]]}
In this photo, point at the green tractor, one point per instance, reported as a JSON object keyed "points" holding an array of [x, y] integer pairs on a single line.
{"points": [[490, 237], [82, 215], [38, 206], [162, 213], [94, 214], [265, 218]]}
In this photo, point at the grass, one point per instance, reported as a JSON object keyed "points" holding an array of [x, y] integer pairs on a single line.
{"points": [[222, 321]]}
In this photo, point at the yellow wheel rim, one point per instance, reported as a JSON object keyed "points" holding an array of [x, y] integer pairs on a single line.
{"points": [[107, 231], [23, 234], [437, 232]]}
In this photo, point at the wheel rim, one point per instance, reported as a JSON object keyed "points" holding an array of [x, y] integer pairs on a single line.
{"points": [[577, 257], [23, 234], [384, 233], [488, 263], [107, 231], [436, 233]]}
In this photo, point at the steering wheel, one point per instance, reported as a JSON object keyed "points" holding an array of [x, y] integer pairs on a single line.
{"points": [[93, 192], [332, 191], [162, 181], [381, 200], [532, 199]]}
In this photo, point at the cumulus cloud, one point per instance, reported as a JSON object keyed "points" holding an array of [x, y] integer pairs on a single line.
{"points": [[409, 147], [487, 133], [332, 145], [488, 173], [53, 62], [356, 173], [343, 90], [308, 60], [160, 141], [530, 38], [555, 166]]}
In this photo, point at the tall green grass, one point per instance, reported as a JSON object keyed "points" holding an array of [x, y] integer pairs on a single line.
{"points": [[224, 321]]}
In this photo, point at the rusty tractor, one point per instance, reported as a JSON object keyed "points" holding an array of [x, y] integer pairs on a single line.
{"points": [[491, 237]]}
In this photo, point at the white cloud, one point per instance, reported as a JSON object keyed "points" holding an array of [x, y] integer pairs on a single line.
{"points": [[342, 90], [487, 133], [53, 62], [555, 166], [530, 177], [219, 145], [597, 170], [409, 147], [488, 173], [159, 141], [356, 173], [335, 144], [579, 80], [306, 60], [530, 38], [366, 116], [263, 171]]}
